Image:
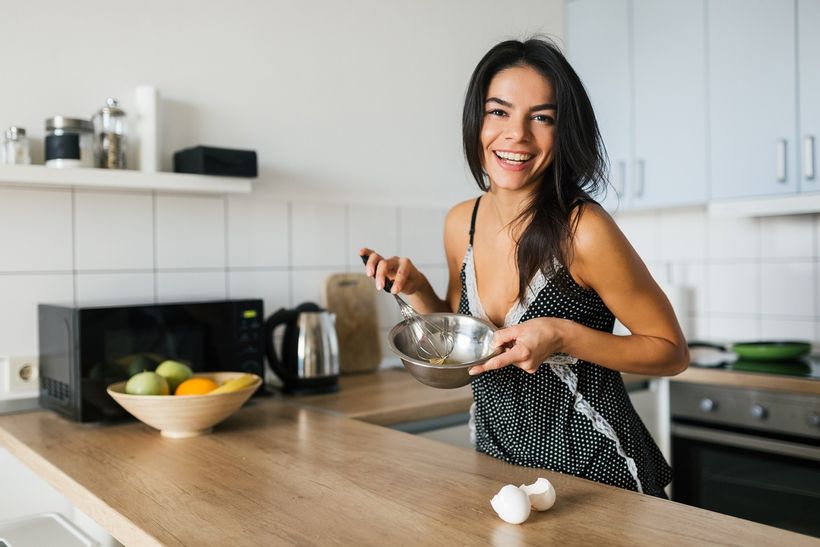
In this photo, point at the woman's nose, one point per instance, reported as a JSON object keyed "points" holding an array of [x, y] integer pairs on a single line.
{"points": [[517, 129]]}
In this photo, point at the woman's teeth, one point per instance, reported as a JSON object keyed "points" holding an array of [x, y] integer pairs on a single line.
{"points": [[512, 157]]}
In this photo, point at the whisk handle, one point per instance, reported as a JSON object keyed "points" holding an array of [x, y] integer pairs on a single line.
{"points": [[388, 283]]}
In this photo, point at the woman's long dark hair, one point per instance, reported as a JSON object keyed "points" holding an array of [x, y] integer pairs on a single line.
{"points": [[579, 164]]}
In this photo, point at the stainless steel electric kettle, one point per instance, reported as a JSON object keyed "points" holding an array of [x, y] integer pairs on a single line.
{"points": [[309, 350]]}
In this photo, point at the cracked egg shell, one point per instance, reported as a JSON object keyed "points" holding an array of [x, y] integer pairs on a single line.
{"points": [[511, 504], [541, 494]]}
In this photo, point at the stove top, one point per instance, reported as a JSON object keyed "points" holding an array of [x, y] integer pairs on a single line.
{"points": [[806, 367]]}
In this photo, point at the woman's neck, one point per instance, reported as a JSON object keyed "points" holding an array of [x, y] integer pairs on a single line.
{"points": [[508, 206]]}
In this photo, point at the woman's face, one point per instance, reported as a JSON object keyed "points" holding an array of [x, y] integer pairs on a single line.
{"points": [[519, 127]]}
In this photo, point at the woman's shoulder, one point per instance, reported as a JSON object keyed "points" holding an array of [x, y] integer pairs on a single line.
{"points": [[590, 223], [458, 217]]}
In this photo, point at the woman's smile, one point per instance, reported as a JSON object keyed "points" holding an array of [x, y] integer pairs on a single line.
{"points": [[513, 161]]}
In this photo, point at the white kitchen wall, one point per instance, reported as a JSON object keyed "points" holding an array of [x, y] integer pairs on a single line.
{"points": [[749, 278]]}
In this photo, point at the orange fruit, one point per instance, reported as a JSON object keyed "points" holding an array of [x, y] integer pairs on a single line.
{"points": [[196, 386]]}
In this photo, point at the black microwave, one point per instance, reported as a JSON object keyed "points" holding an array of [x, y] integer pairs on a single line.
{"points": [[85, 349]]}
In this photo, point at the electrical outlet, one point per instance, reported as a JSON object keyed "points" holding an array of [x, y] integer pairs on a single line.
{"points": [[21, 374]]}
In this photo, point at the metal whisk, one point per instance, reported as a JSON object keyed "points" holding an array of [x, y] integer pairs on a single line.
{"points": [[434, 343]]}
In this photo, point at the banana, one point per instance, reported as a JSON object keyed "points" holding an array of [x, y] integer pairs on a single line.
{"points": [[235, 385]]}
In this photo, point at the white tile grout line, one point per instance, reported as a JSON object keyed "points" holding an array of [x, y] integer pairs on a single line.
{"points": [[226, 231], [289, 235], [74, 246], [154, 241]]}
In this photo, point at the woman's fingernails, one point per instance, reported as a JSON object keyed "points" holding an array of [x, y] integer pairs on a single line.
{"points": [[379, 285], [473, 371]]}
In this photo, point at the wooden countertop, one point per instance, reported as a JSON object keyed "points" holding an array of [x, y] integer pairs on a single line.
{"points": [[753, 380], [276, 473]]}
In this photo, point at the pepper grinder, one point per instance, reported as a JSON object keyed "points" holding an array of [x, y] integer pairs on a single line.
{"points": [[109, 131]]}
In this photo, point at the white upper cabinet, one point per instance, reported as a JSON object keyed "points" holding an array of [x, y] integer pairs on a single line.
{"points": [[752, 97], [598, 49], [808, 40], [669, 166], [643, 63]]}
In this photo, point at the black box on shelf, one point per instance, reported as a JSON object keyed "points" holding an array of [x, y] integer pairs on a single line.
{"points": [[208, 160]]}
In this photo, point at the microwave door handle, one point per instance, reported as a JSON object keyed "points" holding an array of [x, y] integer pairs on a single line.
{"points": [[749, 442]]}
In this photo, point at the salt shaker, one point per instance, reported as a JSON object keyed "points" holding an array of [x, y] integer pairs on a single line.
{"points": [[109, 129], [15, 147]]}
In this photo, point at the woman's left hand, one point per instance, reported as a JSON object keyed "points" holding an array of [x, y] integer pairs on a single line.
{"points": [[527, 344]]}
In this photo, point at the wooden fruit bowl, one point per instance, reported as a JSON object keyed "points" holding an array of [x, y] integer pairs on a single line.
{"points": [[180, 416]]}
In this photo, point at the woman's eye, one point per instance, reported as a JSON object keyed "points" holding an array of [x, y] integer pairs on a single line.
{"points": [[549, 120], [496, 112]]}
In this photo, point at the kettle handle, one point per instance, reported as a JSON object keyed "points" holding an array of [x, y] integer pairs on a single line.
{"points": [[279, 318]]}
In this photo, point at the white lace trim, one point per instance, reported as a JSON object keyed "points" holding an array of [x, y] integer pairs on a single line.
{"points": [[598, 422], [515, 314]]}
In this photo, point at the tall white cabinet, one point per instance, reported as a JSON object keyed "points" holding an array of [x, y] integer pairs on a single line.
{"points": [[752, 97], [598, 47], [642, 62]]}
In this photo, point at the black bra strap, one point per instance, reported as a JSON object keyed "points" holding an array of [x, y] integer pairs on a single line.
{"points": [[472, 220]]}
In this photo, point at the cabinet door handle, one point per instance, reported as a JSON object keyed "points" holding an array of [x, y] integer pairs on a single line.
{"points": [[781, 160], [808, 157], [638, 182]]}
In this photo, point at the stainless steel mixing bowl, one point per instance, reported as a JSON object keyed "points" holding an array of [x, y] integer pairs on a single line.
{"points": [[472, 346]]}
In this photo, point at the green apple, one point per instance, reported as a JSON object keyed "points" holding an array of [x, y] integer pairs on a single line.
{"points": [[147, 383], [174, 372]]}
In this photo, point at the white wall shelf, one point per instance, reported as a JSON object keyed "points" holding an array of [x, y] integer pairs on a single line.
{"points": [[24, 175]]}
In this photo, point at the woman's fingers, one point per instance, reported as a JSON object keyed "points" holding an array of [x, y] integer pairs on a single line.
{"points": [[383, 269], [402, 273], [515, 355], [505, 336], [373, 258]]}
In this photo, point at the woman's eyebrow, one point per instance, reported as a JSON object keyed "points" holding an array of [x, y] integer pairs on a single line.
{"points": [[545, 106], [502, 102]]}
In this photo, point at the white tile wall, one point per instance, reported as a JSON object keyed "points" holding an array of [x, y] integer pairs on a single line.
{"points": [[641, 229], [788, 288], [197, 286], [190, 232], [733, 238], [421, 235], [319, 238], [786, 237], [375, 227], [35, 230], [257, 232], [114, 288], [272, 286], [309, 285], [759, 277], [682, 234], [19, 296], [113, 231], [783, 329]]}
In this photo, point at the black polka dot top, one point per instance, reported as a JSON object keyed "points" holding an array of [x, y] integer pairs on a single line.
{"points": [[571, 416]]}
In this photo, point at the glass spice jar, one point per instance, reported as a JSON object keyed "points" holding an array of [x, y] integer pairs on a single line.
{"points": [[62, 125], [15, 147], [109, 134]]}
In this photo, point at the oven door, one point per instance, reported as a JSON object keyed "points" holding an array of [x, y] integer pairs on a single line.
{"points": [[763, 479]]}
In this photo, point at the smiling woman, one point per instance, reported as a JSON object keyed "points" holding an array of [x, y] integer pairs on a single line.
{"points": [[539, 258]]}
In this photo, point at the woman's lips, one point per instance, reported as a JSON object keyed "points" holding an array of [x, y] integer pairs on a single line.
{"points": [[510, 165]]}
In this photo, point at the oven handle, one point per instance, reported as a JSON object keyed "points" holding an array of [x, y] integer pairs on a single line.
{"points": [[751, 442]]}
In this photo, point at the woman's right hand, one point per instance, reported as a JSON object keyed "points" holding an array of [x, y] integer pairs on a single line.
{"points": [[406, 278]]}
